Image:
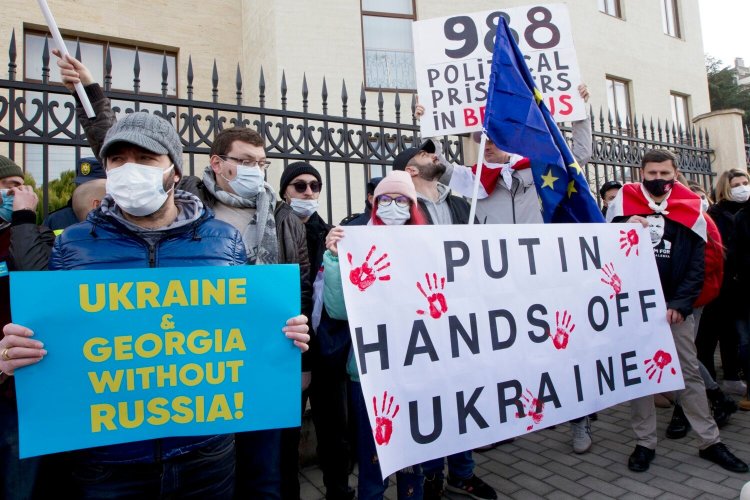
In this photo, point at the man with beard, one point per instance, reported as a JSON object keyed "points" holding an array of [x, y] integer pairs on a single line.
{"points": [[435, 199], [441, 207]]}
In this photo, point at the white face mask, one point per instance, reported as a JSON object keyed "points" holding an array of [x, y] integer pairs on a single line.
{"points": [[393, 215], [704, 204], [248, 183], [741, 194], [137, 189], [304, 208]]}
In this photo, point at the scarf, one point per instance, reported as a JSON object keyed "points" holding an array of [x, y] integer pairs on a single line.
{"points": [[261, 241]]}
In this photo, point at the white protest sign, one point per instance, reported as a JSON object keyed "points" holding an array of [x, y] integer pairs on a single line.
{"points": [[453, 56], [468, 335]]}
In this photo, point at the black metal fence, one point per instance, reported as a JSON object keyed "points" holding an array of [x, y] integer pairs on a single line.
{"points": [[347, 146], [747, 146]]}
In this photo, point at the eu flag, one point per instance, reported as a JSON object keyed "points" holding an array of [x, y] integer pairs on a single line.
{"points": [[517, 121]]}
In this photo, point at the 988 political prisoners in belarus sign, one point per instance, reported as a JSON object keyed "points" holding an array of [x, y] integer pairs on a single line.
{"points": [[469, 335], [453, 56]]}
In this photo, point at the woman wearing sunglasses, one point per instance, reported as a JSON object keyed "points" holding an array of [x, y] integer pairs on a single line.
{"points": [[395, 204]]}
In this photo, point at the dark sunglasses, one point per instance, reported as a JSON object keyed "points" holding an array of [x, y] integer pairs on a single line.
{"points": [[301, 186]]}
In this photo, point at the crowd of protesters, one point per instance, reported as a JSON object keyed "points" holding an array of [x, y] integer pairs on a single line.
{"points": [[232, 216]]}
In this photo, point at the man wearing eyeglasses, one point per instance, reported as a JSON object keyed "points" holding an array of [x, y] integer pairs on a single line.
{"points": [[233, 186]]}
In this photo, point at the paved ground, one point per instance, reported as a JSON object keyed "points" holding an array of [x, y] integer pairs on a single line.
{"points": [[543, 465]]}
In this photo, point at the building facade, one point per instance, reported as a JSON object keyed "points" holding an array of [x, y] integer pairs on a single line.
{"points": [[641, 60]]}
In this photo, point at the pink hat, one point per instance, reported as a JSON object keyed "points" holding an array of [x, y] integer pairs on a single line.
{"points": [[399, 182]]}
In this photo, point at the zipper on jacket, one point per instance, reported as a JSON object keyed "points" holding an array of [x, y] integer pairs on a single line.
{"points": [[151, 255]]}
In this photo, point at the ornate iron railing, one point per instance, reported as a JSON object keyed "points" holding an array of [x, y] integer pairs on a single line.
{"points": [[348, 148]]}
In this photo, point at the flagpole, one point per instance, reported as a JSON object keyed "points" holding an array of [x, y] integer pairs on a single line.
{"points": [[57, 37], [477, 177]]}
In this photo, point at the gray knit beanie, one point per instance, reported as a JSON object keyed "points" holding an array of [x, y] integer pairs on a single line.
{"points": [[148, 131], [9, 169]]}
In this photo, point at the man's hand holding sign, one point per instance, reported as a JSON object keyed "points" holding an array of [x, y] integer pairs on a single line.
{"points": [[149, 353]]}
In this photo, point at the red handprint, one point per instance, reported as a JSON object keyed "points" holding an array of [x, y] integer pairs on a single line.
{"points": [[436, 298], [660, 360], [366, 274], [564, 329], [384, 422], [533, 408], [629, 240], [612, 280]]}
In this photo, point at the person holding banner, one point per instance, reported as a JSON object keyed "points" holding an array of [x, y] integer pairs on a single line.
{"points": [[234, 187], [145, 222], [300, 187], [395, 203], [441, 207], [16, 476], [507, 194], [678, 233]]}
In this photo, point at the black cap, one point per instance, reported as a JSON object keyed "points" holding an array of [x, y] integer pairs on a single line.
{"points": [[87, 169], [296, 169], [400, 162], [609, 185]]}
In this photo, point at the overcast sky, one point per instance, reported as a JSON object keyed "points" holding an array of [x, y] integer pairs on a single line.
{"points": [[726, 24]]}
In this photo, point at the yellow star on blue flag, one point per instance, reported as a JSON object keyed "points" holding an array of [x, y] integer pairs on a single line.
{"points": [[518, 121]]}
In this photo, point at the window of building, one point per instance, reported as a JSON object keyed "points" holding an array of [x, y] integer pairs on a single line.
{"points": [[680, 115], [618, 101], [387, 44], [611, 7], [670, 20], [93, 54]]}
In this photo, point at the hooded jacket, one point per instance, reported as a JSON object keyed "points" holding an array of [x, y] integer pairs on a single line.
{"points": [[107, 241]]}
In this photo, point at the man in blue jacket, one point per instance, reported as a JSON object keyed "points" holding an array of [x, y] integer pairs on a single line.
{"points": [[144, 222]]}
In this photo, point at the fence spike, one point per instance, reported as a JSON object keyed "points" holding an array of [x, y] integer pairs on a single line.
{"points": [[413, 108], [397, 105], [601, 119], [344, 97], [137, 72], [658, 128], [12, 53], [78, 50], [238, 85], [651, 126], [283, 89], [108, 69], [262, 88], [190, 77], [380, 104], [305, 92], [164, 75], [363, 100], [324, 96], [215, 83], [45, 61]]}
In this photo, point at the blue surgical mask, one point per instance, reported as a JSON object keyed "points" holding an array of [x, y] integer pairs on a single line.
{"points": [[248, 183], [6, 210], [304, 208]]}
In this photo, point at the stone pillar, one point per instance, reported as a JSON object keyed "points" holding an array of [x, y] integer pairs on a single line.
{"points": [[725, 135]]}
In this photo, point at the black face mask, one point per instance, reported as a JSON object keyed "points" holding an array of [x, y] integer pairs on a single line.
{"points": [[658, 187]]}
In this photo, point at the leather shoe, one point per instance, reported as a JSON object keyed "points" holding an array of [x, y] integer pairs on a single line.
{"points": [[679, 426], [641, 458], [720, 455]]}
